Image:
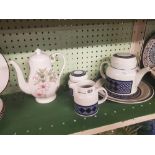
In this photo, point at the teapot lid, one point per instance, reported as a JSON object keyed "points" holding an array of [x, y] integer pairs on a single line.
{"points": [[39, 56], [124, 61]]}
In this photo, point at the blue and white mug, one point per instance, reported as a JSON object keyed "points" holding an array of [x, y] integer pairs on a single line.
{"points": [[86, 98]]}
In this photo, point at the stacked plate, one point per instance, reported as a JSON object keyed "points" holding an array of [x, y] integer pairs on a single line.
{"points": [[148, 55]]}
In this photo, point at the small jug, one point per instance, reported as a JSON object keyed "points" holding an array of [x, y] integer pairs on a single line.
{"points": [[86, 98], [43, 81]]}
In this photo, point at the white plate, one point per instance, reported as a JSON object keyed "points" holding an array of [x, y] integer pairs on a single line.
{"points": [[4, 73], [146, 93]]}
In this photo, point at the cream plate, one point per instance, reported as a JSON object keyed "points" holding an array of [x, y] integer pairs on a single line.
{"points": [[4, 73], [145, 93]]}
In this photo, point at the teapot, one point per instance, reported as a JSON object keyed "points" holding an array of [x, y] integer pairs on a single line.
{"points": [[43, 82], [122, 74]]}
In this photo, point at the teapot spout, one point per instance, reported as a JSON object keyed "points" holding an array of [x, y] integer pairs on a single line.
{"points": [[24, 86], [140, 74]]}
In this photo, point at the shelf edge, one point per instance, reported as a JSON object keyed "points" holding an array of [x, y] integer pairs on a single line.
{"points": [[116, 125]]}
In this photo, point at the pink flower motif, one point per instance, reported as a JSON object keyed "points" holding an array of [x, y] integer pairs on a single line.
{"points": [[40, 93], [42, 89]]}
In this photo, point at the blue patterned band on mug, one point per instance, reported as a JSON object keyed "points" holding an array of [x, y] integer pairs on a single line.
{"points": [[86, 110], [119, 87]]}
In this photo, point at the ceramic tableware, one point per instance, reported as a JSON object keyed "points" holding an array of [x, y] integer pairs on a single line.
{"points": [[86, 98], [4, 73], [75, 77], [145, 93], [148, 55], [43, 81], [4, 78], [122, 74]]}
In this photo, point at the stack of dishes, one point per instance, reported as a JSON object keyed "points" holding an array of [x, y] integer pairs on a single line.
{"points": [[148, 54]]}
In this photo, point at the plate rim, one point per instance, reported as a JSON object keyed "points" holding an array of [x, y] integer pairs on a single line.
{"points": [[8, 72], [100, 80], [151, 36]]}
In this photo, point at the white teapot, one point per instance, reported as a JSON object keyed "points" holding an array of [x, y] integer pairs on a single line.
{"points": [[43, 81], [122, 74]]}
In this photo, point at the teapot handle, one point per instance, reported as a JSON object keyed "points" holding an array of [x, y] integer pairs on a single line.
{"points": [[101, 68], [52, 56]]}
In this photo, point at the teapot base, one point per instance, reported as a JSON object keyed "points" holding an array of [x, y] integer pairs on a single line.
{"points": [[45, 100]]}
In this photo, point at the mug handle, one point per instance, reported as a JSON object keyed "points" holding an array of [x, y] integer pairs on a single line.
{"points": [[101, 68], [105, 95], [52, 56]]}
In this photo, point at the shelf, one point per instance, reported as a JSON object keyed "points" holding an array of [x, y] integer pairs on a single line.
{"points": [[24, 116], [85, 43]]}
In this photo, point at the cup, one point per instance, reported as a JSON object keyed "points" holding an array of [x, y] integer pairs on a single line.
{"points": [[86, 98]]}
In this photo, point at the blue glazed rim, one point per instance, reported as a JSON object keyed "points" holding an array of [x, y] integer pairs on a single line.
{"points": [[124, 57]]}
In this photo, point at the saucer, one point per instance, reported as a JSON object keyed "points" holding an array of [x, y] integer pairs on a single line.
{"points": [[144, 93], [1, 109], [4, 73], [125, 97]]}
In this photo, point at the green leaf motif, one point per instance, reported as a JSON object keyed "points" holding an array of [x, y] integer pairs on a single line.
{"points": [[46, 76]]}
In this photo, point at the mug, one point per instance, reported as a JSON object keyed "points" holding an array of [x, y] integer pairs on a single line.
{"points": [[86, 98]]}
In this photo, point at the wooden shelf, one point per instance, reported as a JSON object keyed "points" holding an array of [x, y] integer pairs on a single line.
{"points": [[24, 116]]}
